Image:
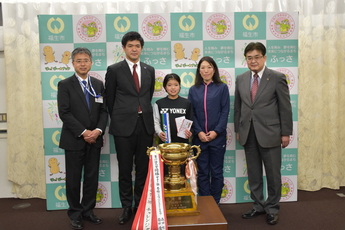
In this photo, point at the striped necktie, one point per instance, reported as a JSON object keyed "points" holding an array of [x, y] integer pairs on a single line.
{"points": [[87, 97], [255, 87]]}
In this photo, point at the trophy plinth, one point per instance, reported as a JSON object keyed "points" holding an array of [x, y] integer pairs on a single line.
{"points": [[181, 202], [178, 194]]}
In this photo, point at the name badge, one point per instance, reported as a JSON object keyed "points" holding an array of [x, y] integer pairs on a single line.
{"points": [[99, 99]]}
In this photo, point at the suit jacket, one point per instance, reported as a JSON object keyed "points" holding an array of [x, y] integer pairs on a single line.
{"points": [[270, 112], [76, 116], [123, 99]]}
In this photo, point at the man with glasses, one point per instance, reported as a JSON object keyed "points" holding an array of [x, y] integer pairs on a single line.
{"points": [[84, 116], [263, 125]]}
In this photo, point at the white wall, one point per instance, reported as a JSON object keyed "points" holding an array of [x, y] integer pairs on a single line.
{"points": [[5, 185]]}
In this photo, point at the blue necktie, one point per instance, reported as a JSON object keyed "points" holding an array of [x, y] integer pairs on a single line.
{"points": [[86, 94]]}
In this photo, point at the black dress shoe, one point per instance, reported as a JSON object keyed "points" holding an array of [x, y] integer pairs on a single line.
{"points": [[251, 214], [77, 224], [272, 219], [93, 219], [125, 216]]}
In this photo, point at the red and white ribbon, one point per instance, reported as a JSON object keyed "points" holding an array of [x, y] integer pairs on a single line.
{"points": [[191, 175], [151, 213]]}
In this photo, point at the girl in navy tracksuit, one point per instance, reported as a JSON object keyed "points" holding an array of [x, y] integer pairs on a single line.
{"points": [[211, 104]]}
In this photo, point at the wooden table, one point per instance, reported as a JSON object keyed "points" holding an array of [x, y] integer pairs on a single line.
{"points": [[210, 218]]}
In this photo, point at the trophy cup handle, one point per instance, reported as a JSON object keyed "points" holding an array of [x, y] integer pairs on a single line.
{"points": [[197, 147], [149, 149]]}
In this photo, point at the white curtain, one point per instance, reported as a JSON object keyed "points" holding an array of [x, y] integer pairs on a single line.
{"points": [[321, 100]]}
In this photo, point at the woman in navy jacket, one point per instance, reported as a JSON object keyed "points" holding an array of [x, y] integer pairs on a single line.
{"points": [[211, 104]]}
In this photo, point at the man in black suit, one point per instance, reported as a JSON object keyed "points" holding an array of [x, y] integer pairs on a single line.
{"points": [[129, 89], [84, 116]]}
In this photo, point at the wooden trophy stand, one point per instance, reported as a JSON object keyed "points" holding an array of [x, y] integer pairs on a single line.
{"points": [[210, 217]]}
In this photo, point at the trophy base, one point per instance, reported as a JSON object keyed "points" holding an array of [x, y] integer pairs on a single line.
{"points": [[181, 202]]}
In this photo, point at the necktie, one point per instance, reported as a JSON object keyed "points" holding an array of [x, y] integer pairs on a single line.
{"points": [[255, 86], [86, 94], [136, 81], [136, 78]]}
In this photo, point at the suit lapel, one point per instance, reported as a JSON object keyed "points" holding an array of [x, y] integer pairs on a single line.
{"points": [[247, 86], [127, 71], [263, 83], [144, 73]]}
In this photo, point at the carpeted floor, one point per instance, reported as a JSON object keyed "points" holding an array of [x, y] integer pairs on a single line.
{"points": [[321, 210]]}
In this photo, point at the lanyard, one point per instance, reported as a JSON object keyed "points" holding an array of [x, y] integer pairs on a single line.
{"points": [[93, 93]]}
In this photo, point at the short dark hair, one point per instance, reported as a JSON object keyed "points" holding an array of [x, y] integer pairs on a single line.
{"points": [[215, 78], [255, 46], [169, 77], [81, 50], [131, 36]]}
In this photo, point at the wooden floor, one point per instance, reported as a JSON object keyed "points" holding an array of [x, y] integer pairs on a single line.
{"points": [[321, 210]]}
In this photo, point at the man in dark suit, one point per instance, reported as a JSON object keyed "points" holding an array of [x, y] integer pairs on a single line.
{"points": [[84, 116], [129, 89], [263, 124]]}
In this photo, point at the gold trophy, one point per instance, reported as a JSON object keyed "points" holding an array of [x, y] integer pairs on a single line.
{"points": [[179, 197]]}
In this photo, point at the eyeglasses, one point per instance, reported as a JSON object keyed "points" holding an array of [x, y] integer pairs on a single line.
{"points": [[256, 58], [86, 61]]}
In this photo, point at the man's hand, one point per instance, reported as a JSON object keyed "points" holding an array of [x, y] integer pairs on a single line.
{"points": [[91, 136], [285, 141]]}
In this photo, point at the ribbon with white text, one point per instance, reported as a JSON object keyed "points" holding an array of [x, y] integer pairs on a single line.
{"points": [[151, 213]]}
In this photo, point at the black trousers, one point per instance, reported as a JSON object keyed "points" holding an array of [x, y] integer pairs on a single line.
{"points": [[132, 150], [76, 161]]}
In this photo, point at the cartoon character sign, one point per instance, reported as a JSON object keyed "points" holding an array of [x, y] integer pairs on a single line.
{"points": [[49, 54], [54, 166]]}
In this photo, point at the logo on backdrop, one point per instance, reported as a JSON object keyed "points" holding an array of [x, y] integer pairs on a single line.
{"points": [[60, 193], [89, 28], [227, 191], [187, 79], [246, 187], [52, 83], [155, 27], [55, 138], [49, 58], [249, 18], [159, 90], [55, 29], [101, 196], [229, 136], [122, 24], [282, 25], [288, 188], [55, 172], [184, 25], [225, 77], [218, 26], [290, 78], [96, 75]]}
